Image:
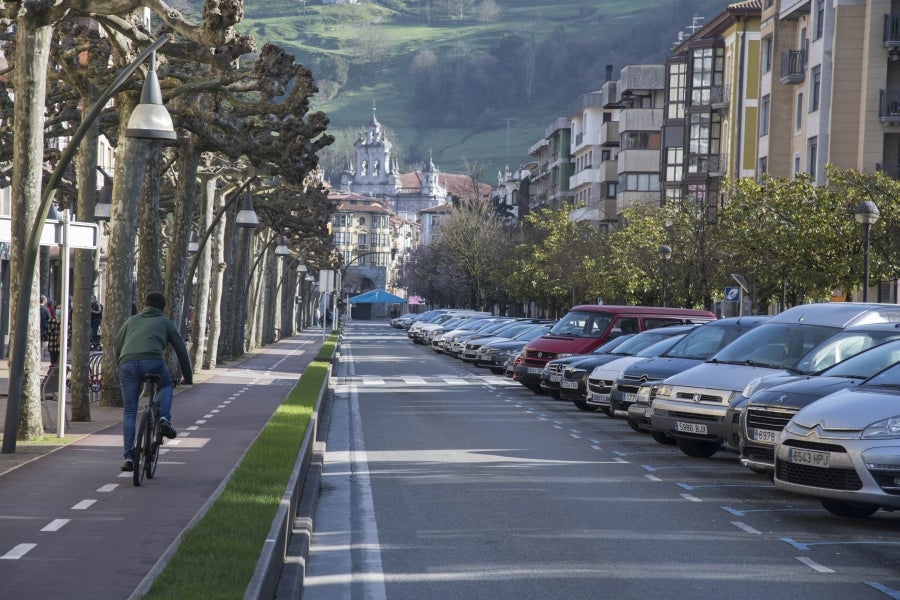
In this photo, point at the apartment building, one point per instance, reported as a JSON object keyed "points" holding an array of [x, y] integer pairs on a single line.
{"points": [[362, 235], [553, 167], [589, 184], [640, 96], [711, 108]]}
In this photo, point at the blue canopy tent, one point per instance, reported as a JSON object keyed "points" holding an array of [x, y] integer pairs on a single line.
{"points": [[377, 297], [363, 305]]}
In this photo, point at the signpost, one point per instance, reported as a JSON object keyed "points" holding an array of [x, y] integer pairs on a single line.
{"points": [[66, 234]]}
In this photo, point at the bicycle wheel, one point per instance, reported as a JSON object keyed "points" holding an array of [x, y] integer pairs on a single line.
{"points": [[140, 450], [154, 440]]}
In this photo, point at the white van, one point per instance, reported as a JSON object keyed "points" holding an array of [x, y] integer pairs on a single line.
{"points": [[691, 405]]}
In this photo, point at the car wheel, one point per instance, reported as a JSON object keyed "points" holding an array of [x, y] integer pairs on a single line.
{"points": [[634, 426], [697, 448], [852, 510], [583, 405], [661, 438]]}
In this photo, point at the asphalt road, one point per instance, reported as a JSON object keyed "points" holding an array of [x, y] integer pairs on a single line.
{"points": [[444, 481], [73, 526]]}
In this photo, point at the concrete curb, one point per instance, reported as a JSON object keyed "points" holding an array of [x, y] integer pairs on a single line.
{"points": [[274, 554]]}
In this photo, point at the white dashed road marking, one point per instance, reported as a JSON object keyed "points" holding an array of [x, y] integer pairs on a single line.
{"points": [[108, 487], [84, 505], [18, 552], [55, 525]]}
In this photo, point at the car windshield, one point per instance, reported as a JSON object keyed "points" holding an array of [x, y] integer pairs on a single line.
{"points": [[530, 334], [890, 377], [774, 345], [511, 332], [660, 346], [841, 347], [610, 345], [867, 363], [705, 341], [583, 324], [640, 341]]}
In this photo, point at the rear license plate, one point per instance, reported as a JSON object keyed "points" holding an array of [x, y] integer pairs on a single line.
{"points": [[629, 398], [569, 385], [534, 370], [809, 457], [697, 428], [765, 436]]}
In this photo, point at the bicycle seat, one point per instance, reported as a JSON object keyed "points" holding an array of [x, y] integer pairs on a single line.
{"points": [[152, 377]]}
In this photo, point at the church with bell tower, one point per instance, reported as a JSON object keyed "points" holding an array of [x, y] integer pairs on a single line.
{"points": [[375, 173]]}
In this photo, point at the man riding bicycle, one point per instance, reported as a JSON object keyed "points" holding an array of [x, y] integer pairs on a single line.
{"points": [[140, 344]]}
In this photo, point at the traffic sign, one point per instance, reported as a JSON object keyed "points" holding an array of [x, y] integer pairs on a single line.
{"points": [[732, 294], [81, 235]]}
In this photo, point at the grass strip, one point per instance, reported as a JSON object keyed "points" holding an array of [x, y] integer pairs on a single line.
{"points": [[217, 557]]}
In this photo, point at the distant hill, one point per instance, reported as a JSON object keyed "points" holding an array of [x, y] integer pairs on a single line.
{"points": [[473, 82]]}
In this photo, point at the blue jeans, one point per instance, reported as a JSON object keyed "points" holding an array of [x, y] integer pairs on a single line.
{"points": [[131, 380]]}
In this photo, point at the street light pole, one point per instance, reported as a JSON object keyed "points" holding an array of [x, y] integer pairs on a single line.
{"points": [[665, 253], [32, 248], [866, 214]]}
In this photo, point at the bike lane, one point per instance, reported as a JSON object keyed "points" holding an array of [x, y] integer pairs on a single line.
{"points": [[73, 526]]}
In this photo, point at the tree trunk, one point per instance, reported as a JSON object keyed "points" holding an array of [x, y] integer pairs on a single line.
{"points": [[32, 53], [215, 290], [177, 260], [201, 291], [85, 276], [131, 157]]}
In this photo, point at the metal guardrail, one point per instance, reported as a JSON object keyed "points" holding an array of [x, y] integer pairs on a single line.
{"points": [[889, 106]]}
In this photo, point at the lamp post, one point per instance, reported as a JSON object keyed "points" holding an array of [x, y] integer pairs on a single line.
{"points": [[146, 122], [665, 253], [866, 214]]}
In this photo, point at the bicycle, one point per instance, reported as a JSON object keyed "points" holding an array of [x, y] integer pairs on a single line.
{"points": [[149, 435]]}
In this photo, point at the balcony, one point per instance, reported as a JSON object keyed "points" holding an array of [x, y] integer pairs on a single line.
{"points": [[720, 97], [889, 107], [891, 33], [716, 165], [793, 66], [609, 133]]}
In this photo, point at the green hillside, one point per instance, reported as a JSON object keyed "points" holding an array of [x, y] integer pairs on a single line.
{"points": [[475, 88]]}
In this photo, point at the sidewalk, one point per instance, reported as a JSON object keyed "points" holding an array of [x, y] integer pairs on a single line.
{"points": [[101, 418]]}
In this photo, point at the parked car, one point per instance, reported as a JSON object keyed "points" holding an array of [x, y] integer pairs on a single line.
{"points": [[442, 340], [507, 332], [843, 345], [691, 406], [768, 410], [691, 350], [403, 321], [587, 326], [417, 330], [844, 449], [552, 374], [495, 355], [603, 376], [574, 384]]}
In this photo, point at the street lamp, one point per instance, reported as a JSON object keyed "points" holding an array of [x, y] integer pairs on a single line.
{"points": [[866, 214], [665, 253], [149, 125]]}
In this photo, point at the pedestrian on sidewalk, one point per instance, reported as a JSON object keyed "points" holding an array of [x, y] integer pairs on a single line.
{"points": [[53, 338], [140, 344]]}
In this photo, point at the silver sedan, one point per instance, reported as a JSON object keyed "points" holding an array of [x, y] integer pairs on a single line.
{"points": [[845, 448]]}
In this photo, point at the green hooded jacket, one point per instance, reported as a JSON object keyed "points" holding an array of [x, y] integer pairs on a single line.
{"points": [[144, 336]]}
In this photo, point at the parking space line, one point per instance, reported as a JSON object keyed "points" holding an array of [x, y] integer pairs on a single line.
{"points": [[889, 592], [690, 498], [652, 477], [814, 565]]}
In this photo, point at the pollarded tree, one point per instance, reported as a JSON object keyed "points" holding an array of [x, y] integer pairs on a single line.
{"points": [[473, 241]]}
